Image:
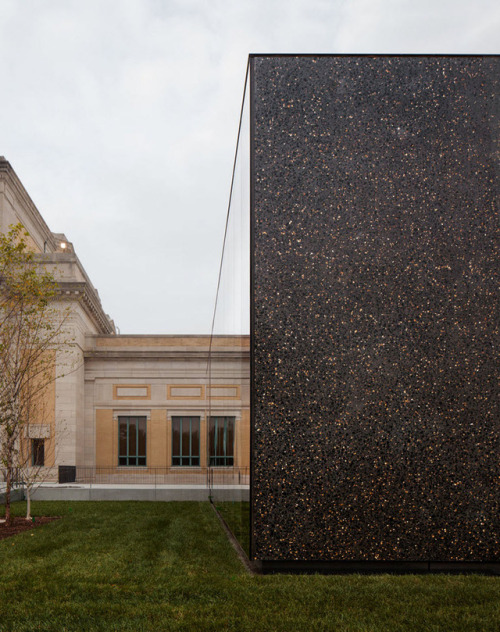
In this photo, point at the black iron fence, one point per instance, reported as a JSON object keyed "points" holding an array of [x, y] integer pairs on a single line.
{"points": [[210, 477], [16, 478]]}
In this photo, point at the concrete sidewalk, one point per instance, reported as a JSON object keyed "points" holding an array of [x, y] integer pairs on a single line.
{"points": [[15, 495], [75, 491]]}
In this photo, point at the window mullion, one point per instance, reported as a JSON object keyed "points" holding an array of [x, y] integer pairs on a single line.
{"points": [[128, 441], [180, 442], [190, 439], [216, 452], [137, 440], [224, 437]]}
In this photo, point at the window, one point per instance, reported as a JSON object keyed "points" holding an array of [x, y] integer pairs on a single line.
{"points": [[37, 452], [221, 441], [186, 441], [132, 441]]}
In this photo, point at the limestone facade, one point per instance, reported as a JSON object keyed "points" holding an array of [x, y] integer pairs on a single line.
{"points": [[124, 381], [163, 378]]}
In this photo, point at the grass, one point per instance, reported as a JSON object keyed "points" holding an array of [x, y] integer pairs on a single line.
{"points": [[237, 518], [168, 566]]}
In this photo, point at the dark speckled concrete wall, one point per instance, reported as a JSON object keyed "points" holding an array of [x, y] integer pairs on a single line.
{"points": [[375, 308]]}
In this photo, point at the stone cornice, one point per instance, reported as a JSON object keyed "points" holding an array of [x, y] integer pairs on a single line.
{"points": [[8, 174], [78, 289], [38, 229], [84, 293], [159, 354], [182, 340]]}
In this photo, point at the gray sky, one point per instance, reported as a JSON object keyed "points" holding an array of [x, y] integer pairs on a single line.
{"points": [[120, 117]]}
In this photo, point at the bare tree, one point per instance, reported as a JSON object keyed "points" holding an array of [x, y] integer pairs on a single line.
{"points": [[32, 333], [36, 448]]}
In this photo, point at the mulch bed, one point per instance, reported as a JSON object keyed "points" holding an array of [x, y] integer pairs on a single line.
{"points": [[21, 524]]}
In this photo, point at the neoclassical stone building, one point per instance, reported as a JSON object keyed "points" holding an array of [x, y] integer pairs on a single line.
{"points": [[131, 404]]}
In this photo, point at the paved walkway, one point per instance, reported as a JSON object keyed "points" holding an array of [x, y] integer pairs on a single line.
{"points": [[80, 491]]}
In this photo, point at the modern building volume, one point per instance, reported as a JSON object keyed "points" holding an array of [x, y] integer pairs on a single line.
{"points": [[373, 206]]}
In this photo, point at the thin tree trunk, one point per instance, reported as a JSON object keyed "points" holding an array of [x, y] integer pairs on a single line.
{"points": [[8, 482], [28, 502]]}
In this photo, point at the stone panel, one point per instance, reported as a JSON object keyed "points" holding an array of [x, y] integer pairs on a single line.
{"points": [[106, 439], [222, 391], [131, 391], [157, 439], [186, 391], [375, 308]]}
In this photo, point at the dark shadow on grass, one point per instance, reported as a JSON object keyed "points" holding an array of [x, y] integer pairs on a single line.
{"points": [[232, 518]]}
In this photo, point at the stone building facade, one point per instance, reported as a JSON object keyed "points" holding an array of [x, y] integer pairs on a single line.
{"points": [[131, 404]]}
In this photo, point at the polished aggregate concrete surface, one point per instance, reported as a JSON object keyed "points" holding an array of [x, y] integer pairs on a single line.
{"points": [[375, 308]]}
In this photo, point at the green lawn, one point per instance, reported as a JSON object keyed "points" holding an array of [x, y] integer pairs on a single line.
{"points": [[168, 566], [237, 517]]}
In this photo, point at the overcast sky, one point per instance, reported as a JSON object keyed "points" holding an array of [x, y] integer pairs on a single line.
{"points": [[120, 118]]}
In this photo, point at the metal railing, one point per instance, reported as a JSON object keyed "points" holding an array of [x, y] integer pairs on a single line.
{"points": [[16, 478], [156, 476]]}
